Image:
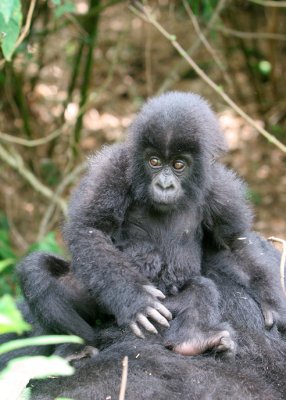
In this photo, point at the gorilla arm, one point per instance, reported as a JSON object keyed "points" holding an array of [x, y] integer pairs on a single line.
{"points": [[96, 212], [227, 220]]}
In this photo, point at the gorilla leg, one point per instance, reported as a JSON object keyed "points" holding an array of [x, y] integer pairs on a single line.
{"points": [[257, 372], [57, 300], [196, 326]]}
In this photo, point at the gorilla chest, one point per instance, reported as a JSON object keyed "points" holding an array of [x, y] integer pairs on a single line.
{"points": [[162, 231], [165, 248]]}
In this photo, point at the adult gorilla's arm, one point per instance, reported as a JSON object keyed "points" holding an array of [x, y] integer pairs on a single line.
{"points": [[228, 221], [97, 210], [227, 214]]}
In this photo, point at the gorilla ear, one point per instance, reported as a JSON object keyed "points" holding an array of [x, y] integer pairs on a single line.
{"points": [[213, 141], [219, 145]]}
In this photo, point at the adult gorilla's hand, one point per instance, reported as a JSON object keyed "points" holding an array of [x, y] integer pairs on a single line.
{"points": [[157, 311]]}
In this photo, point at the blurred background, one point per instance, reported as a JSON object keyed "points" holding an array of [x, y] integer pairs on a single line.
{"points": [[81, 70]]}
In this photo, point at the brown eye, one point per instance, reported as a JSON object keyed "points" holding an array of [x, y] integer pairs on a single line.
{"points": [[155, 162], [178, 165]]}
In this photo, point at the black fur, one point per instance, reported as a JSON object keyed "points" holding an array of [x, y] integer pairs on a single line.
{"points": [[121, 238], [257, 372]]}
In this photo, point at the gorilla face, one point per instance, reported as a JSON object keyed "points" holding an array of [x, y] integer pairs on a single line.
{"points": [[173, 142], [166, 177]]}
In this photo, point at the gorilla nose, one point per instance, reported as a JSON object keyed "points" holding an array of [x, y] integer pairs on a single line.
{"points": [[165, 184]]}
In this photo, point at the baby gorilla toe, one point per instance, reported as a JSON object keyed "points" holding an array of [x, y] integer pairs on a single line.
{"points": [[227, 345], [201, 342]]}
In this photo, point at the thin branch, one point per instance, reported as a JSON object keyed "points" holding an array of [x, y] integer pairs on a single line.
{"points": [[60, 189], [148, 17], [27, 26], [283, 260], [250, 35], [30, 143], [148, 61], [269, 3], [56, 133], [16, 162], [180, 68], [91, 26], [19, 239], [205, 42], [124, 378]]}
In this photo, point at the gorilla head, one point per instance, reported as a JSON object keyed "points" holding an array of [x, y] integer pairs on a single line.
{"points": [[173, 140]]}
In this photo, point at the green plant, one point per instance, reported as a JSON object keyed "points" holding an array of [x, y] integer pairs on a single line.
{"points": [[9, 258], [19, 371]]}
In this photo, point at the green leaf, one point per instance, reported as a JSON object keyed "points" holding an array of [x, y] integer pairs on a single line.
{"points": [[47, 244], [57, 2], [5, 245], [20, 371], [6, 9], [254, 196], [64, 9], [6, 263], [26, 394], [11, 30], [11, 319], [38, 341]]}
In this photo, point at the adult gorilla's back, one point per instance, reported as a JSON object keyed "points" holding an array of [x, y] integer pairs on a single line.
{"points": [[257, 372]]}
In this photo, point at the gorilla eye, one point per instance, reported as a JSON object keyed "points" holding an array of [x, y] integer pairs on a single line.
{"points": [[178, 165], [155, 162]]}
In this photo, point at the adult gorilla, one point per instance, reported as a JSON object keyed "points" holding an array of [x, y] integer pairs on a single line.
{"points": [[257, 371]]}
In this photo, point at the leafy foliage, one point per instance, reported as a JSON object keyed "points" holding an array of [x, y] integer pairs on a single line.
{"points": [[10, 317], [48, 244], [19, 371], [8, 257], [10, 25]]}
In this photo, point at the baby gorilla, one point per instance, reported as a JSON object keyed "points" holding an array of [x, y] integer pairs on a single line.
{"points": [[138, 225]]}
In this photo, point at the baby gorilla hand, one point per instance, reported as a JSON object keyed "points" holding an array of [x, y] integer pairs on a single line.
{"points": [[274, 316], [156, 311]]}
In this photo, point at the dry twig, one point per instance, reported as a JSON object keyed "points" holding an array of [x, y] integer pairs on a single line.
{"points": [[268, 3], [124, 378], [27, 26], [180, 68], [205, 41], [31, 143], [16, 162], [68, 179], [251, 35]]}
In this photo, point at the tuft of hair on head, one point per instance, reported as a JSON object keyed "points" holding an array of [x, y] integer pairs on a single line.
{"points": [[180, 115]]}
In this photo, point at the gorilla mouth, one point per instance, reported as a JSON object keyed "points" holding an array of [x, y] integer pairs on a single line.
{"points": [[163, 199]]}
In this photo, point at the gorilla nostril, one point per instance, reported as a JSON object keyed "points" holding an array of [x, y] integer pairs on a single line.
{"points": [[170, 188], [165, 186]]}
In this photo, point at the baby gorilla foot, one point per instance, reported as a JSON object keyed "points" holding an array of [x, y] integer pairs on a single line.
{"points": [[201, 342], [72, 352]]}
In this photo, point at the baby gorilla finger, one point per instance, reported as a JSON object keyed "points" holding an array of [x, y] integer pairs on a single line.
{"points": [[268, 315], [163, 310], [146, 323], [136, 330], [154, 292], [154, 314]]}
